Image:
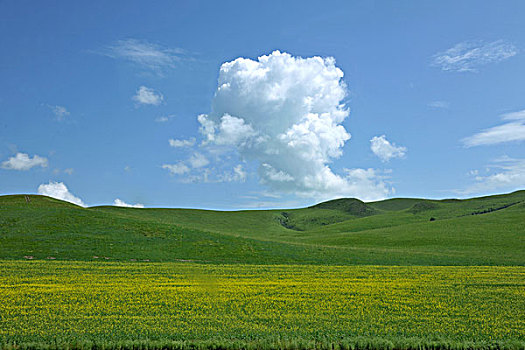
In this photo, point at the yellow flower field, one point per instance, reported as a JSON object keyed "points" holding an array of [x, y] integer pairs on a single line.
{"points": [[56, 302]]}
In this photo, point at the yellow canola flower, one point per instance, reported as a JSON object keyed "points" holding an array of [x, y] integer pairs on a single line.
{"points": [[44, 300]]}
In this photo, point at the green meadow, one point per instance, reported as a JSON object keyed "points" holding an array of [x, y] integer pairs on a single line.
{"points": [[344, 274], [480, 231]]}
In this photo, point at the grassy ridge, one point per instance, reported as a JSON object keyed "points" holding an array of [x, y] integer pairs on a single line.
{"points": [[481, 231], [290, 306]]}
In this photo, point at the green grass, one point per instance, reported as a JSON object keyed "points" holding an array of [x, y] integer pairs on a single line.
{"points": [[480, 231]]}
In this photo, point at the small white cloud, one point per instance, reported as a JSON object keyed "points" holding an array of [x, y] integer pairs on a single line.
{"points": [[69, 171], [164, 118], [176, 169], [198, 160], [121, 203], [182, 143], [514, 130], [60, 112], [386, 150], [22, 161], [469, 56], [148, 96], [509, 175], [146, 55], [439, 104], [59, 190]]}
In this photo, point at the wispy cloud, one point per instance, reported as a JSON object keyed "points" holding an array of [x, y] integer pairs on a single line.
{"points": [[386, 150], [60, 112], [147, 96], [164, 118], [439, 104], [513, 130], [509, 175], [197, 172], [207, 175], [146, 55], [265, 204], [238, 174], [469, 56], [22, 161]]}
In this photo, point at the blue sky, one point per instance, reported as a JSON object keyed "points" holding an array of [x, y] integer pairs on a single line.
{"points": [[298, 101]]}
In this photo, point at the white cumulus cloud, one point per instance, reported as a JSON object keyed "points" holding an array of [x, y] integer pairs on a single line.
{"points": [[22, 161], [469, 56], [386, 150], [59, 190], [513, 130], [182, 143], [177, 168], [120, 203], [286, 113], [148, 96]]}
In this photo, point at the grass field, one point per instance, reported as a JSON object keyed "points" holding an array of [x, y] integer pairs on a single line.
{"points": [[338, 275], [482, 231], [50, 302]]}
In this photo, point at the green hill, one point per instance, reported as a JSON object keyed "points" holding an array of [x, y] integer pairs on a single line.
{"points": [[402, 231]]}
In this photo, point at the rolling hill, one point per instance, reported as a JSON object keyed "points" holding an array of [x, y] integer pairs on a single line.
{"points": [[402, 231]]}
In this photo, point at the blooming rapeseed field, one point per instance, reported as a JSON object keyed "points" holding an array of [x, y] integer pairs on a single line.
{"points": [[57, 302]]}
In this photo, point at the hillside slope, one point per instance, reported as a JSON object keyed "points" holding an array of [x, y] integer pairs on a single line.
{"points": [[478, 231]]}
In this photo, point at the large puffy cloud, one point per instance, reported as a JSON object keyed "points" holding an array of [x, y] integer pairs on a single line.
{"points": [[22, 161], [60, 191], [286, 113]]}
